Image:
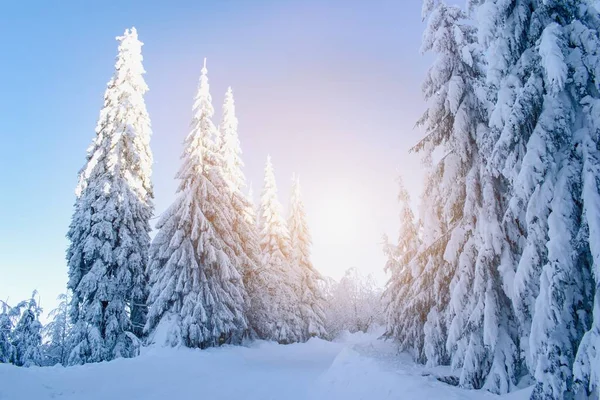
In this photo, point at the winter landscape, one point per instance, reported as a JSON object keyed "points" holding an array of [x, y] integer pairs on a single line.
{"points": [[390, 201]]}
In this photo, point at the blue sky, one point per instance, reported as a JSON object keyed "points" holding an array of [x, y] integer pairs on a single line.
{"points": [[330, 89]]}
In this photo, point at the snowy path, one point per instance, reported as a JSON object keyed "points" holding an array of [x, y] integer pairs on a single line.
{"points": [[357, 368]]}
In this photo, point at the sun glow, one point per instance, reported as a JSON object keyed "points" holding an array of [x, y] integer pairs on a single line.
{"points": [[336, 219]]}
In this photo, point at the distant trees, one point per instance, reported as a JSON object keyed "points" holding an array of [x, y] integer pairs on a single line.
{"points": [[56, 349], [353, 304]]}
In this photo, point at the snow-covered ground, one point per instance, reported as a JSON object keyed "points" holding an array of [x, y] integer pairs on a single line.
{"points": [[355, 367]]}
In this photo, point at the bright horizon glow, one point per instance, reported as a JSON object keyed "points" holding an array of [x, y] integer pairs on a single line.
{"points": [[335, 103]]}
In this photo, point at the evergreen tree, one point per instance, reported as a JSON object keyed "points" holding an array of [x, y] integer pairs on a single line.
{"points": [[27, 335], [311, 298], [109, 231], [460, 313], [197, 294], [245, 229], [280, 317], [57, 330], [400, 321], [7, 317], [542, 82], [448, 203]]}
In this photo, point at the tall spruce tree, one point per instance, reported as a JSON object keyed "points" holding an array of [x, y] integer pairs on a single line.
{"points": [[279, 302], [109, 231], [311, 299], [245, 229], [197, 295], [448, 220], [459, 313], [542, 76], [400, 320]]}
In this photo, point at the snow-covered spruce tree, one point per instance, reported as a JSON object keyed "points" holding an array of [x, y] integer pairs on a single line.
{"points": [[457, 286], [109, 231], [197, 294], [279, 299], [27, 335], [543, 68], [7, 317], [399, 321], [431, 278], [311, 298], [447, 223], [587, 362], [245, 229], [57, 331]]}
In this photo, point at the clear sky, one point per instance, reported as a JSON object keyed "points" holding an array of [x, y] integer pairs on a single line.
{"points": [[331, 89]]}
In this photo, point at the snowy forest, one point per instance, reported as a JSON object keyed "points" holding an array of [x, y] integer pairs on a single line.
{"points": [[493, 281]]}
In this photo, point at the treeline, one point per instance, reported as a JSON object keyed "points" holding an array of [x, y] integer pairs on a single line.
{"points": [[219, 270], [499, 277]]}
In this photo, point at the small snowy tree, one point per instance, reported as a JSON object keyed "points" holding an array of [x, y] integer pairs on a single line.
{"points": [[27, 335], [109, 231], [7, 321], [57, 331], [311, 298], [278, 300], [197, 295]]}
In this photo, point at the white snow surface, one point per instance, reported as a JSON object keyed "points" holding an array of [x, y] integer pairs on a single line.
{"points": [[356, 366]]}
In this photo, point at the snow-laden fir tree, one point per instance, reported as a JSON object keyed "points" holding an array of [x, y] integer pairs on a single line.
{"points": [[458, 310], [446, 218], [109, 231], [587, 362], [542, 76], [279, 299], [400, 321], [7, 317], [57, 331], [245, 229], [311, 298], [26, 337], [428, 292], [197, 295]]}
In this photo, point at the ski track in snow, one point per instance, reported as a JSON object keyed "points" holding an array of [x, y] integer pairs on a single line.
{"points": [[356, 367]]}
